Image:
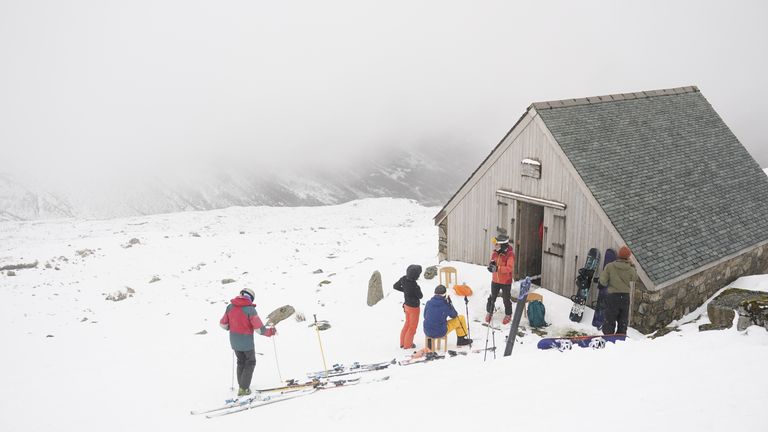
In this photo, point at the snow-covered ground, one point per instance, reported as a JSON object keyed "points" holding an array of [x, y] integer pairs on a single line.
{"points": [[72, 360]]}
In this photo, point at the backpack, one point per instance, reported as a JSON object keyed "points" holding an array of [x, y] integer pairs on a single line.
{"points": [[536, 311]]}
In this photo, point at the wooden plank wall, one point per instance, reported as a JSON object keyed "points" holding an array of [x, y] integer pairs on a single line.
{"points": [[472, 216]]}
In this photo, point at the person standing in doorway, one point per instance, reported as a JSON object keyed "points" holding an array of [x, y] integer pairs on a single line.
{"points": [[412, 304], [241, 320], [619, 276], [502, 268]]}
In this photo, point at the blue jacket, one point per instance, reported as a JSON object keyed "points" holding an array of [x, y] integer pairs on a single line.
{"points": [[436, 311]]}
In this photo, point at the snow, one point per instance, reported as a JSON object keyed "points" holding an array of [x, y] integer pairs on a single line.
{"points": [[138, 364]]}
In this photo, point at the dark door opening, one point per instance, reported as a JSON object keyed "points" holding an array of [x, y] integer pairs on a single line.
{"points": [[528, 240]]}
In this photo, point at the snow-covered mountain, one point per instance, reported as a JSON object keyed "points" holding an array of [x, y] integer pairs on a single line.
{"points": [[427, 176], [20, 202]]}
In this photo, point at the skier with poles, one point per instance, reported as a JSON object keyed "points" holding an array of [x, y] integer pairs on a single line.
{"points": [[241, 320], [502, 267]]}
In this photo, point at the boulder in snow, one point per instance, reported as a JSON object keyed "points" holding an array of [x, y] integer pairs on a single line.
{"points": [[751, 307], [430, 272], [375, 289]]}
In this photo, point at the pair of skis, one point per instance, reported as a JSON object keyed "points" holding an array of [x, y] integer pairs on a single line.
{"points": [[356, 367], [273, 395]]}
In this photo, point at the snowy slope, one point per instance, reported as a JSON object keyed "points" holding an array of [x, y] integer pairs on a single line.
{"points": [[138, 364]]}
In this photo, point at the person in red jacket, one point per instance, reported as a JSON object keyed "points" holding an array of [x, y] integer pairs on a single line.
{"points": [[502, 267], [241, 320]]}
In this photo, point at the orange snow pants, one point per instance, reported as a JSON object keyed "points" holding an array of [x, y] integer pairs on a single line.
{"points": [[410, 326]]}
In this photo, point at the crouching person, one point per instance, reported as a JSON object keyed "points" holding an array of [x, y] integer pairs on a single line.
{"points": [[241, 320], [436, 323]]}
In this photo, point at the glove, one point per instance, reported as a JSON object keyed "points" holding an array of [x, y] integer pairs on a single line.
{"points": [[271, 331], [492, 267]]}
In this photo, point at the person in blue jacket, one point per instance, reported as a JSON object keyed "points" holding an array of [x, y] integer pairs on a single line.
{"points": [[436, 313]]}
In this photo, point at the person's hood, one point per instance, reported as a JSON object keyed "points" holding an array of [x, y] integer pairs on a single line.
{"points": [[622, 264], [413, 272], [241, 301]]}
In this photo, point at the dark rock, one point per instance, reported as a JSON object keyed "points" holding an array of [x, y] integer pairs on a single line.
{"points": [[722, 309], [19, 266], [227, 281], [430, 272]]}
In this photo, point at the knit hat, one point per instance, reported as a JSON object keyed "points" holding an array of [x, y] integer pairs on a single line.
{"points": [[440, 289], [248, 293], [624, 253]]}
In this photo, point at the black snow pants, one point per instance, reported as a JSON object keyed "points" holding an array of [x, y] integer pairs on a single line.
{"points": [[616, 314], [246, 363], [506, 297]]}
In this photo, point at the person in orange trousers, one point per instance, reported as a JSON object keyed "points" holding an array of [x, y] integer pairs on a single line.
{"points": [[412, 304]]}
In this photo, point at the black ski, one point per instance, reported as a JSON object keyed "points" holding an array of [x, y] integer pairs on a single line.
{"points": [[525, 286]]}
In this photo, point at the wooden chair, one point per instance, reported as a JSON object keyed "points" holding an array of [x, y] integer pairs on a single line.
{"points": [[450, 275], [436, 344]]}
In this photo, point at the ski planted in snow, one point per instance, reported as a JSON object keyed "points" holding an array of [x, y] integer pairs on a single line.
{"points": [[602, 293], [583, 283], [525, 286]]}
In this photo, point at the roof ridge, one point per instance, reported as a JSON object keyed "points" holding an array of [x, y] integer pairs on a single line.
{"points": [[612, 98]]}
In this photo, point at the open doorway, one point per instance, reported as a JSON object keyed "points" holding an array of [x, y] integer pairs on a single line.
{"points": [[528, 240]]}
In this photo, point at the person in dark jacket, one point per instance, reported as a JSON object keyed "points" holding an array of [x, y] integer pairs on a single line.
{"points": [[619, 276], [412, 304], [241, 320], [437, 310]]}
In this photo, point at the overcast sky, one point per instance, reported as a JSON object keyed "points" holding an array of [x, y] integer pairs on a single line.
{"points": [[104, 84]]}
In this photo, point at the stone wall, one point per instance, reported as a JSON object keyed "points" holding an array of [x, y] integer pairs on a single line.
{"points": [[652, 310]]}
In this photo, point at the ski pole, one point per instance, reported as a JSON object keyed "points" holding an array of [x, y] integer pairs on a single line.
{"points": [[322, 353], [493, 335], [466, 308], [274, 348], [232, 386], [487, 332]]}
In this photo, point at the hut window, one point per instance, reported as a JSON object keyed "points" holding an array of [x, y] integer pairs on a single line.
{"points": [[531, 168], [502, 216]]}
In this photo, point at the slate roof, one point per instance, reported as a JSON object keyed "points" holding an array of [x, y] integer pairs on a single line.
{"points": [[670, 175]]}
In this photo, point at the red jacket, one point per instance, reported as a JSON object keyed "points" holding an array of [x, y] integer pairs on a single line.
{"points": [[241, 320], [506, 267]]}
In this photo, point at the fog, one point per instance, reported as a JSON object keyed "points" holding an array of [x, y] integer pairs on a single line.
{"points": [[95, 87]]}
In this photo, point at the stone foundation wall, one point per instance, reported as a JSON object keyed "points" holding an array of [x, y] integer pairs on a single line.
{"points": [[652, 310]]}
